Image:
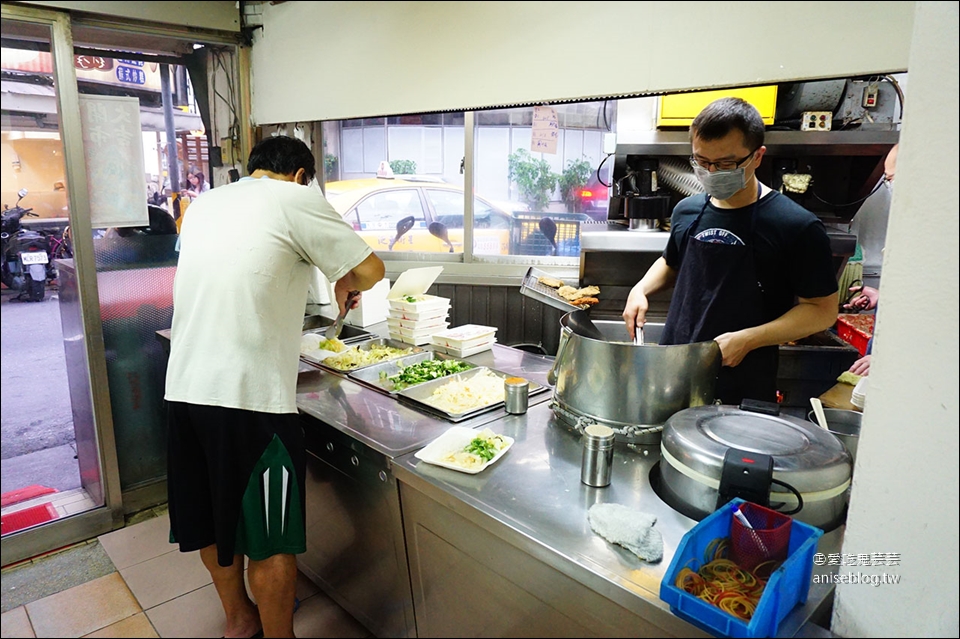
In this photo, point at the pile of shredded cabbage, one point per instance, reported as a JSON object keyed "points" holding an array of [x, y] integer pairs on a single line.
{"points": [[461, 395], [353, 357]]}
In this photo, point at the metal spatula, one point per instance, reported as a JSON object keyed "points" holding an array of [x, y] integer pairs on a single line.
{"points": [[333, 331]]}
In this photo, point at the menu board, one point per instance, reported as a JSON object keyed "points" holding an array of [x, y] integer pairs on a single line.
{"points": [[113, 151]]}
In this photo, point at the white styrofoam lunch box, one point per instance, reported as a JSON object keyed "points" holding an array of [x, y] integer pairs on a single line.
{"points": [[409, 292], [433, 315], [418, 340], [465, 352], [465, 337], [434, 324], [427, 331]]}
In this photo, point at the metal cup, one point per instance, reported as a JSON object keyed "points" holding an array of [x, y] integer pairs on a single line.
{"points": [[597, 462], [516, 395]]}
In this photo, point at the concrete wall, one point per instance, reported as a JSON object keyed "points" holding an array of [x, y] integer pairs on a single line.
{"points": [[905, 493]]}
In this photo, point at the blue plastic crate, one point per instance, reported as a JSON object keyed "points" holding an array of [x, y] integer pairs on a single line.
{"points": [[788, 586]]}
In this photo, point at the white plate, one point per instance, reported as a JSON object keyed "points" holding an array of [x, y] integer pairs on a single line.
{"points": [[453, 440]]}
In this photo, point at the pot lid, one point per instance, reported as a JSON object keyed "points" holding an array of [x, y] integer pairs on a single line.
{"points": [[805, 456]]}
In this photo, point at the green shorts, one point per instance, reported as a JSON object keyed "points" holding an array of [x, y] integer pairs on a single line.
{"points": [[235, 478]]}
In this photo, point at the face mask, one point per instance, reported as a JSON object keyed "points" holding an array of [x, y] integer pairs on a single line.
{"points": [[721, 184]]}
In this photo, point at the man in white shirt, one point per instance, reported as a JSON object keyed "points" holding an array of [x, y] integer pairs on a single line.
{"points": [[236, 460]]}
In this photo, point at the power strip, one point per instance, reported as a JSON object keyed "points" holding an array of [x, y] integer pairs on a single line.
{"points": [[816, 120]]}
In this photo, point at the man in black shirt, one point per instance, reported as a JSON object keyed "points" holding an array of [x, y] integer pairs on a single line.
{"points": [[751, 269]]}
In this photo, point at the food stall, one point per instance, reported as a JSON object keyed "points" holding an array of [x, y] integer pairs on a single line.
{"points": [[412, 548]]}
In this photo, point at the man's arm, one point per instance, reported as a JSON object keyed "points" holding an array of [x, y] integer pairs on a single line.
{"points": [[658, 277], [808, 316], [361, 277]]}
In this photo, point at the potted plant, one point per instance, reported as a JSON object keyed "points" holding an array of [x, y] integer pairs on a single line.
{"points": [[533, 177], [571, 181]]}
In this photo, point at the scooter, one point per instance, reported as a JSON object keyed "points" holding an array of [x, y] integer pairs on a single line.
{"points": [[25, 254]]}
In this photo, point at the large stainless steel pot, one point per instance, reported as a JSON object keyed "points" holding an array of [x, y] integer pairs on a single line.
{"points": [[632, 389], [805, 456]]}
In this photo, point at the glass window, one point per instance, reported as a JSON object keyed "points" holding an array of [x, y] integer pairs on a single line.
{"points": [[515, 188]]}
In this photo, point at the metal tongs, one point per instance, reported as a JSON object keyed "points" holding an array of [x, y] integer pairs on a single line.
{"points": [[333, 331], [638, 336]]}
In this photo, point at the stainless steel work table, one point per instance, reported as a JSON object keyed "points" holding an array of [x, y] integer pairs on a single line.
{"points": [[521, 527]]}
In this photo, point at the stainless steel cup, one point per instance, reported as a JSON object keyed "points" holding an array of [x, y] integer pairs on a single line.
{"points": [[516, 395], [597, 462]]}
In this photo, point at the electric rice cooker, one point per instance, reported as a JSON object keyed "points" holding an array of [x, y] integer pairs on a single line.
{"points": [[811, 469]]}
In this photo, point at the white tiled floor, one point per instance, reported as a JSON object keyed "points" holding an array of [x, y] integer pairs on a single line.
{"points": [[158, 592]]}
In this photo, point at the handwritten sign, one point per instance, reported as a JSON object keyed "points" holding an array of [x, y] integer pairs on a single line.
{"points": [[546, 130], [113, 150]]}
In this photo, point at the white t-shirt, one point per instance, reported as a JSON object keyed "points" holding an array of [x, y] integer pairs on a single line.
{"points": [[240, 291]]}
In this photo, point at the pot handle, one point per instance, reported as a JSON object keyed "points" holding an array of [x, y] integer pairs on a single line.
{"points": [[564, 338]]}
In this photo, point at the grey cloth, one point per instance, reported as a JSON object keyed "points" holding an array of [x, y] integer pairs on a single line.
{"points": [[629, 528]]}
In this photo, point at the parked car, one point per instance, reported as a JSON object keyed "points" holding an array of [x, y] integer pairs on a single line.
{"points": [[376, 206], [595, 198]]}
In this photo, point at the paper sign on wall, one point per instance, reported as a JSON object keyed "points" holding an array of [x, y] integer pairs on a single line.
{"points": [[546, 130], [113, 150]]}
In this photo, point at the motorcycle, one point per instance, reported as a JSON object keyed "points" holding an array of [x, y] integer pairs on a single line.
{"points": [[25, 254]]}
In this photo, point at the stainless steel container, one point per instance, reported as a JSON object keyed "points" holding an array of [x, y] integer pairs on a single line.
{"points": [[845, 424], [516, 395], [805, 456], [597, 462], [630, 388]]}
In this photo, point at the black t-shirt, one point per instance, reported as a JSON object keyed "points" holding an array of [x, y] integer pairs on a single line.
{"points": [[792, 250]]}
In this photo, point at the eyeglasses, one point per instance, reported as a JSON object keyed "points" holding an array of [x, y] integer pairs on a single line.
{"points": [[722, 165]]}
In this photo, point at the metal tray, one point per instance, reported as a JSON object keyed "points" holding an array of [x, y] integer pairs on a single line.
{"points": [[531, 287], [420, 395], [365, 346], [370, 376]]}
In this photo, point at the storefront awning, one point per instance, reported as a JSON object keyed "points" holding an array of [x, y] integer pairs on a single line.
{"points": [[31, 107]]}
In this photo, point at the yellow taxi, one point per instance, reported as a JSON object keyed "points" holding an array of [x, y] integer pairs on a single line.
{"points": [[422, 210]]}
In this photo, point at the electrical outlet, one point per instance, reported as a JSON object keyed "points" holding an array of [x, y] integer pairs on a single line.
{"points": [[871, 94], [816, 121]]}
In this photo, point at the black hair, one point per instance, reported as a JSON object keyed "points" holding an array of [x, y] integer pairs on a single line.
{"points": [[722, 116], [282, 155]]}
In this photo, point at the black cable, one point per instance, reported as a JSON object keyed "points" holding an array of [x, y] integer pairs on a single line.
{"points": [[600, 179], [863, 199], [796, 494]]}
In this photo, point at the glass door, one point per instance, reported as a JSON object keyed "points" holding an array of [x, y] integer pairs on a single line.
{"points": [[59, 480]]}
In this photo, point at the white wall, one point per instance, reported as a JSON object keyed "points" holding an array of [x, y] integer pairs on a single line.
{"points": [[342, 60], [220, 15], [905, 494]]}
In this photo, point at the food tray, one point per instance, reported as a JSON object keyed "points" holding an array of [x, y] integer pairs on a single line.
{"points": [[856, 330], [370, 375], [546, 294], [787, 587], [420, 394], [362, 346], [455, 439]]}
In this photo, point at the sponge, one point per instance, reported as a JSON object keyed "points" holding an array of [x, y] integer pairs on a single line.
{"points": [[846, 377]]}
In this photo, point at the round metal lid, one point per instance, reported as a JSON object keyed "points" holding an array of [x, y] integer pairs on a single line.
{"points": [[804, 455]]}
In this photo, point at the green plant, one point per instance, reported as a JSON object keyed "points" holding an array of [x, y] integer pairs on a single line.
{"points": [[533, 177], [403, 167], [573, 179], [330, 163]]}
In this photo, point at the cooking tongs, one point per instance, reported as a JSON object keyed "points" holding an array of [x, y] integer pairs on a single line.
{"points": [[333, 331]]}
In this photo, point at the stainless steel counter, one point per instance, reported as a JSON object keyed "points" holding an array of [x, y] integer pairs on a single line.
{"points": [[390, 427], [532, 501]]}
